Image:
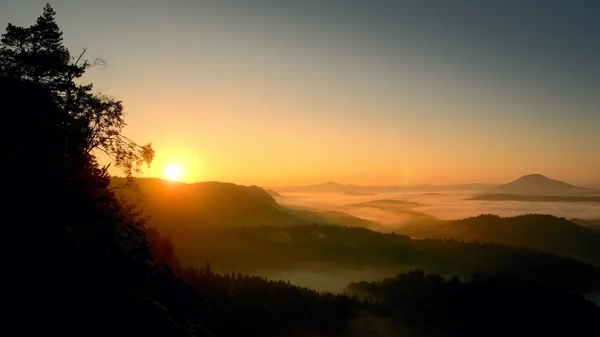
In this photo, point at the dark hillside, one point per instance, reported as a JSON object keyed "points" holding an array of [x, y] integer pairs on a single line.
{"points": [[81, 265], [536, 231], [85, 267], [332, 248], [206, 204], [482, 306]]}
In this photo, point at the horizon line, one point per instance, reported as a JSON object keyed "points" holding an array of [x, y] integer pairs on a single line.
{"points": [[597, 184]]}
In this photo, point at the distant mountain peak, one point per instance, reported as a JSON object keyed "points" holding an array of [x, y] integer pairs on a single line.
{"points": [[331, 183], [539, 184], [536, 176]]}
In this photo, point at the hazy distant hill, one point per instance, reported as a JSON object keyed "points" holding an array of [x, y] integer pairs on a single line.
{"points": [[542, 232], [328, 187], [353, 193], [333, 217], [403, 210], [274, 194], [537, 184], [590, 223], [387, 204], [333, 187]]}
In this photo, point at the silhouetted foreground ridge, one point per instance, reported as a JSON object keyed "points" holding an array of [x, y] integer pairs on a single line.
{"points": [[82, 263], [87, 267]]}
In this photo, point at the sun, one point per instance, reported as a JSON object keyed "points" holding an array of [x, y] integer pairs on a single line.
{"points": [[172, 172]]}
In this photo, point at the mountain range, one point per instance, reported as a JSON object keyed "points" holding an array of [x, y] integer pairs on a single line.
{"points": [[333, 187], [531, 184]]}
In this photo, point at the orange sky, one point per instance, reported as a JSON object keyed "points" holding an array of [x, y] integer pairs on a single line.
{"points": [[281, 96], [256, 136]]}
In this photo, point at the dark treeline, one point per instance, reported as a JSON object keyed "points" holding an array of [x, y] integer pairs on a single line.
{"points": [[334, 247], [254, 306], [483, 306], [572, 238]]}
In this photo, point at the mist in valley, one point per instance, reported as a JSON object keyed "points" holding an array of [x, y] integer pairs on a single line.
{"points": [[429, 205], [440, 205]]}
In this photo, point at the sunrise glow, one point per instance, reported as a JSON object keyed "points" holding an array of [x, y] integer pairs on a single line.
{"points": [[172, 172]]}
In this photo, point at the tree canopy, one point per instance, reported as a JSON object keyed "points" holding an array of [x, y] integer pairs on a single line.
{"points": [[89, 121]]}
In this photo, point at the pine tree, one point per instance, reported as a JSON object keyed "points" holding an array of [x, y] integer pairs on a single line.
{"points": [[37, 52], [91, 122], [207, 269]]}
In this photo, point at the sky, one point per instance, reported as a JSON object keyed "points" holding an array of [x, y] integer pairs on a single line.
{"points": [[282, 92]]}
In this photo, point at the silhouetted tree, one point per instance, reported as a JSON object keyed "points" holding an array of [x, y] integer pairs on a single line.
{"points": [[35, 53], [90, 248], [254, 306], [91, 121], [207, 269], [162, 250]]}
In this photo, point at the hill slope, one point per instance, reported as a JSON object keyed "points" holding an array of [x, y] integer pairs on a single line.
{"points": [[181, 207], [541, 232], [177, 208]]}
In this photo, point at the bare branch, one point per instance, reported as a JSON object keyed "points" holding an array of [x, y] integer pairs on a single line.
{"points": [[80, 56], [99, 62]]}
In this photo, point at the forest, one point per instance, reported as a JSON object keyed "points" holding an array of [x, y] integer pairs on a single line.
{"points": [[429, 304], [337, 248], [490, 306]]}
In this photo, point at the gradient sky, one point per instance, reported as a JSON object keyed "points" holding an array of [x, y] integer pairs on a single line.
{"points": [[275, 92]]}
